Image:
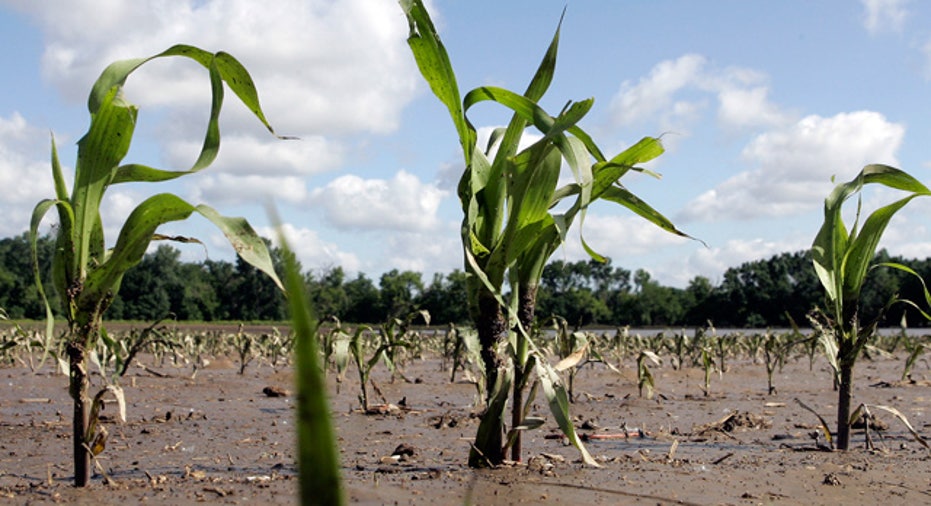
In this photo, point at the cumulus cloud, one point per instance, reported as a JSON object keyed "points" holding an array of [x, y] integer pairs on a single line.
{"points": [[241, 155], [323, 69], [793, 166], [654, 94], [314, 61], [618, 236], [676, 92], [884, 15], [749, 107], [234, 189], [400, 203], [714, 261], [429, 252], [311, 251], [24, 179]]}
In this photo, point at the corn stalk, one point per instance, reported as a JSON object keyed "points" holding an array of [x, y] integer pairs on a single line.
{"points": [[509, 229], [842, 260], [86, 273]]}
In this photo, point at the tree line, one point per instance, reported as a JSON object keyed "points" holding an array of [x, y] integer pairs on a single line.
{"points": [[773, 292]]}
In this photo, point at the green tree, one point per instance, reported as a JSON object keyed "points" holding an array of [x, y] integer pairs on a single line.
{"points": [[18, 293], [363, 299], [146, 290], [256, 297], [397, 293], [698, 300], [199, 301], [328, 292], [446, 298], [221, 276]]}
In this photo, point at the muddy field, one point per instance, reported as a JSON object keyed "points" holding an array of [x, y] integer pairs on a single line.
{"points": [[216, 437]]}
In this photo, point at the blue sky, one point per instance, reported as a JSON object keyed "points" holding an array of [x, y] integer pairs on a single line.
{"points": [[759, 105]]}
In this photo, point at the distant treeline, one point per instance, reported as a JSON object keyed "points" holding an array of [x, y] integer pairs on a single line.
{"points": [[762, 293]]}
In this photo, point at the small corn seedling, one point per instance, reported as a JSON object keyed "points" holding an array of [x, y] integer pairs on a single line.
{"points": [[841, 259], [395, 334], [20, 344], [707, 365], [915, 349], [243, 344], [12, 340], [775, 351], [644, 375], [121, 352], [86, 273]]}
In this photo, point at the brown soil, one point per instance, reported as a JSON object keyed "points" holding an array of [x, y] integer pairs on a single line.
{"points": [[218, 438]]}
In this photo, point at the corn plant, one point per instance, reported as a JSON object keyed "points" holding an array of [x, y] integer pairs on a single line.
{"points": [[122, 352], [775, 352], [707, 365], [509, 230], [85, 272], [395, 334], [841, 259], [644, 376]]}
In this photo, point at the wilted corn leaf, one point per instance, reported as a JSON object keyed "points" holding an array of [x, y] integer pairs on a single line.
{"points": [[898, 414], [558, 400], [572, 360], [824, 425]]}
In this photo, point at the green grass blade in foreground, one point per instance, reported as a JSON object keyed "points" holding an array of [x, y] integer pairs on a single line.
{"points": [[317, 455]]}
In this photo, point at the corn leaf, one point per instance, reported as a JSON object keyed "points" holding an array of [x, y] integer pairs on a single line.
{"points": [[139, 229], [558, 400], [318, 456], [434, 65]]}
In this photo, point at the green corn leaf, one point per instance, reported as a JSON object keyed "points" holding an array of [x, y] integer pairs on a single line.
{"points": [[222, 68], [318, 456], [139, 229], [434, 65], [493, 419], [862, 249], [627, 199], [841, 258], [244, 239], [99, 152], [535, 91], [61, 188], [37, 214]]}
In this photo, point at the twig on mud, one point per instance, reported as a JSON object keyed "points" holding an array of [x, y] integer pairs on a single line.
{"points": [[154, 372], [722, 459], [633, 433]]}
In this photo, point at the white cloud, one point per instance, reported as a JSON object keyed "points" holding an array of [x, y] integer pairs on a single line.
{"points": [[400, 203], [748, 107], [714, 261], [676, 92], [654, 93], [245, 155], [884, 15], [793, 166], [618, 236], [25, 180], [311, 251], [235, 189], [321, 67], [429, 252]]}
